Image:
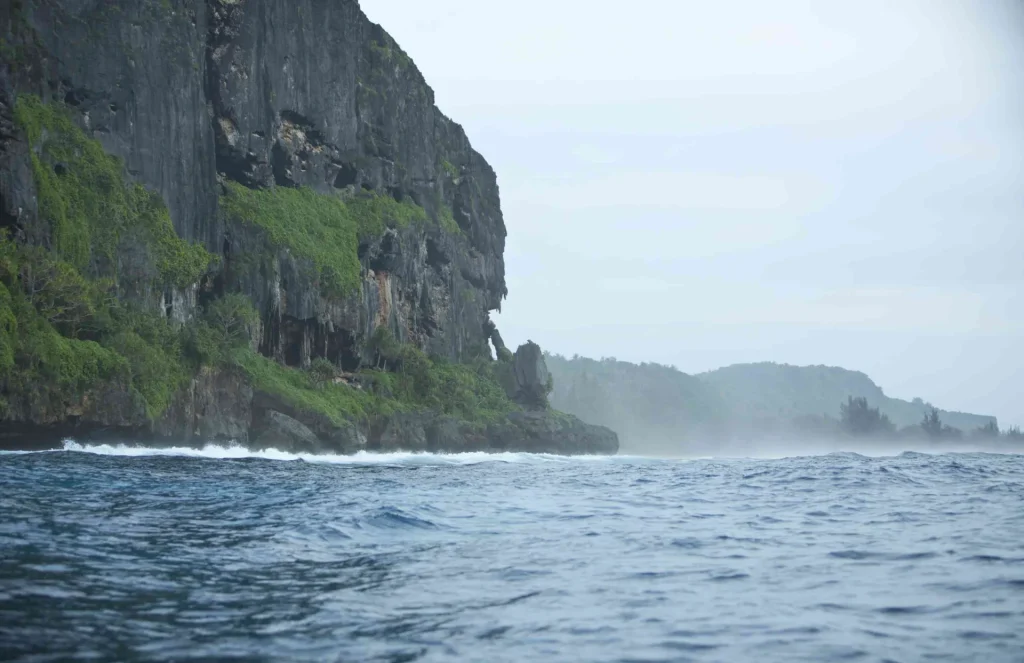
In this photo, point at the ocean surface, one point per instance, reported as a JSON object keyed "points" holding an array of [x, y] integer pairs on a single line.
{"points": [[222, 554]]}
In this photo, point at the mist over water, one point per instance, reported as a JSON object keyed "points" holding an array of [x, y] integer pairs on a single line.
{"points": [[130, 554], [779, 447]]}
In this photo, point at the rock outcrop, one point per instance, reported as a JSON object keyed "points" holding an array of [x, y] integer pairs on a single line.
{"points": [[529, 382], [246, 119]]}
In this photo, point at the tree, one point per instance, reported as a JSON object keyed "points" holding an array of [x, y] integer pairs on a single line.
{"points": [[857, 418], [988, 431], [57, 291], [932, 424], [232, 315], [385, 347], [321, 372]]}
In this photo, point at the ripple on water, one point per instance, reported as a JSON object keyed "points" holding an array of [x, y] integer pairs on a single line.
{"points": [[115, 553]]}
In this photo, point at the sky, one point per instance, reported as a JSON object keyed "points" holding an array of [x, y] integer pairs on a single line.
{"points": [[702, 184]]}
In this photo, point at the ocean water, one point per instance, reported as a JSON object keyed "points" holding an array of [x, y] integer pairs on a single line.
{"points": [[221, 554]]}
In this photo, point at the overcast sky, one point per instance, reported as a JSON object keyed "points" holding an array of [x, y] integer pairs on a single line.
{"points": [[707, 183]]}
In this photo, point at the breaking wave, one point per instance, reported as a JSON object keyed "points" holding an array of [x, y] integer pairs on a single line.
{"points": [[238, 452]]}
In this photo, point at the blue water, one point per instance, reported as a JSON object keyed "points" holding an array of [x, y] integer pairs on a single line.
{"points": [[128, 555]]}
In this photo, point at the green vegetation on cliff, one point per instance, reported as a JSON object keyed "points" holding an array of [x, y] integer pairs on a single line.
{"points": [[68, 341], [405, 380], [64, 337], [321, 228], [64, 334], [470, 391], [91, 208], [337, 402]]}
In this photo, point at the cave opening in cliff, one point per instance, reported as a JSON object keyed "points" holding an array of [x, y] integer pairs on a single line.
{"points": [[293, 333], [386, 254], [8, 221], [347, 176], [436, 257], [281, 165], [341, 350]]}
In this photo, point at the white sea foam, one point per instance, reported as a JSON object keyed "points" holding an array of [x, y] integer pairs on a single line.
{"points": [[234, 452]]}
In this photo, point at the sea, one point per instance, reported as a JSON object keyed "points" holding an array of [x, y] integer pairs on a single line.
{"points": [[115, 553]]}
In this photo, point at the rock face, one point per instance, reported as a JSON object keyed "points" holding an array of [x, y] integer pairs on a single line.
{"points": [[533, 381], [282, 432], [199, 96]]}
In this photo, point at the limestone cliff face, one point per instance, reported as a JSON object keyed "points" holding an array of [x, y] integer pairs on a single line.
{"points": [[200, 96], [264, 92], [310, 93]]}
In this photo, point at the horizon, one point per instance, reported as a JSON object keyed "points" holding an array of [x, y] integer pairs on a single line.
{"points": [[738, 184]]}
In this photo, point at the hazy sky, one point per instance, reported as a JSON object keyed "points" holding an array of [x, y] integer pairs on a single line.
{"points": [[706, 183]]}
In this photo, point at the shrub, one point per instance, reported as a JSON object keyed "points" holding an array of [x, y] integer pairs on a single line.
{"points": [[321, 372], [336, 402]]}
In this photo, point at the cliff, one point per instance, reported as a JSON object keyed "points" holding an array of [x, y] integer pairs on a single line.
{"points": [[245, 219], [653, 408], [758, 391], [657, 408]]}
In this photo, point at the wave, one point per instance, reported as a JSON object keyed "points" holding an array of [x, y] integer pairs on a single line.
{"points": [[238, 452], [231, 451]]}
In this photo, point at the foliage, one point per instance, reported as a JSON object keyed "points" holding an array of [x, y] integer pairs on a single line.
{"points": [[988, 431], [385, 348], [59, 293], [90, 207], [231, 316], [8, 330], [467, 391], [858, 419], [156, 368], [65, 335], [321, 372], [933, 428], [320, 228], [68, 366], [336, 402], [390, 53], [449, 169], [37, 293], [932, 424], [447, 221]]}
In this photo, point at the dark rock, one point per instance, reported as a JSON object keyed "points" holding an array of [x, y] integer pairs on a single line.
{"points": [[528, 382], [223, 407], [282, 432], [345, 438], [551, 432], [448, 435], [400, 432]]}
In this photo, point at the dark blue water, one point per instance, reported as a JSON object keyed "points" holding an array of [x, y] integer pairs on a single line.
{"points": [[511, 558]]}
